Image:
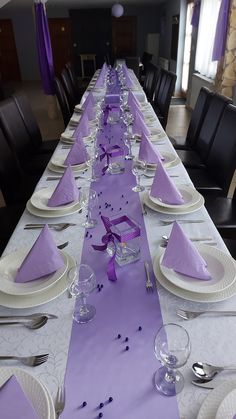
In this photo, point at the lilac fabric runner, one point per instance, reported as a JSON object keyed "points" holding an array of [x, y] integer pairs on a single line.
{"points": [[221, 31], [99, 366]]}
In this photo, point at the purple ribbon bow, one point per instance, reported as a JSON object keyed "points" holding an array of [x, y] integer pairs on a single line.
{"points": [[108, 152], [108, 237]]}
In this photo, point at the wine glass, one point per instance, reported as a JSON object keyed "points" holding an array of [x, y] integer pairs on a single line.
{"points": [[94, 154], [172, 348], [89, 201], [82, 282], [138, 168]]}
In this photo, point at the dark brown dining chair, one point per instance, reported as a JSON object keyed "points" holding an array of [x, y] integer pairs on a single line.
{"points": [[63, 102], [78, 90], [216, 178], [150, 81], [163, 92], [197, 156], [31, 125], [19, 139]]}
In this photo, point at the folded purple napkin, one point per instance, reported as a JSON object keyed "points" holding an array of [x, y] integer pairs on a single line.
{"points": [[133, 98], [43, 259], [129, 82], [83, 126], [77, 154], [182, 256], [164, 189], [66, 190], [148, 153], [89, 99], [139, 126], [14, 403]]}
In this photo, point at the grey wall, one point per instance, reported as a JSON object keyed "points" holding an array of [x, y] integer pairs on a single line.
{"points": [[24, 30], [148, 21]]}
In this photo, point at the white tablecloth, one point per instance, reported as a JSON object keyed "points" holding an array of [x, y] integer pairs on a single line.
{"points": [[213, 339]]}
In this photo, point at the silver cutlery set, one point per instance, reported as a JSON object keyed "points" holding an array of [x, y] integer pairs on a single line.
{"points": [[205, 372]]}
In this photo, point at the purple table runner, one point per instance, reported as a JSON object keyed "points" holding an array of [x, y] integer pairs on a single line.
{"points": [[99, 366]]}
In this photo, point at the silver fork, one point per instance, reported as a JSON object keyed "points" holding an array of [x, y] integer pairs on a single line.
{"points": [[167, 222], [57, 227], [60, 401], [148, 283], [189, 315], [31, 361]]}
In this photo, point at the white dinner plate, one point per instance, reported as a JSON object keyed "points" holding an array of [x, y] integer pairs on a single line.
{"points": [[190, 195], [220, 265], [211, 403], [52, 214], [177, 211], [61, 170], [188, 295], [59, 160], [13, 301], [227, 408], [8, 268], [170, 160], [40, 200], [32, 387]]}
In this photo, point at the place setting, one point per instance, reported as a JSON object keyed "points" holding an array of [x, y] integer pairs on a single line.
{"points": [[166, 198], [196, 272], [77, 158], [22, 393], [31, 277], [64, 199]]}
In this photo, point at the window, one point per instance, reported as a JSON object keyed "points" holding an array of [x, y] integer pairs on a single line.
{"points": [[206, 35]]}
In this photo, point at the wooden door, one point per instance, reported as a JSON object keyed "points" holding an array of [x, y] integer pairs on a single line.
{"points": [[9, 65], [124, 36], [61, 40]]}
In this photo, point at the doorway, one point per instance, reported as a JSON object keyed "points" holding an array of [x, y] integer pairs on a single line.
{"points": [[9, 65], [124, 36], [61, 40]]}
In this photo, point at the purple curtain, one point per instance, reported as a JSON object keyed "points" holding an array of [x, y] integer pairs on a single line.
{"points": [[44, 49], [221, 31], [196, 13]]}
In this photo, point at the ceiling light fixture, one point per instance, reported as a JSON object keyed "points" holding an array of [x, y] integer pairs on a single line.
{"points": [[117, 10]]}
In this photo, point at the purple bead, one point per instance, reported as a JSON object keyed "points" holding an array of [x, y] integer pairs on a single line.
{"points": [[101, 405], [140, 328], [127, 348], [84, 404], [100, 415], [119, 336], [126, 339], [110, 399]]}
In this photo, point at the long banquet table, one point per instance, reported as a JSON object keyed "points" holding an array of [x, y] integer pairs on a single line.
{"points": [[90, 356]]}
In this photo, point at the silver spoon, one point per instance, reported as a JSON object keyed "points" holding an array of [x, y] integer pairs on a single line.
{"points": [[207, 371], [193, 239], [32, 324]]}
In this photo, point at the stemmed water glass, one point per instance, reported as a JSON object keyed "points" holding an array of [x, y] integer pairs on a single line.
{"points": [[172, 348], [89, 201], [138, 169], [94, 154], [82, 282]]}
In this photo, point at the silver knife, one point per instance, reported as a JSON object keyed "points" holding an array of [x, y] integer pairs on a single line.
{"points": [[59, 177], [29, 316]]}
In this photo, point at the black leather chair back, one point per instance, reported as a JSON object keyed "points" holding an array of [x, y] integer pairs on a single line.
{"points": [[28, 117], [221, 162], [69, 89], [210, 124], [150, 81], [10, 171], [162, 95], [63, 102], [78, 91], [14, 130], [198, 114]]}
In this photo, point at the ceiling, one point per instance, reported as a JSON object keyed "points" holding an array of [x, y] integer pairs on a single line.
{"points": [[78, 3]]}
